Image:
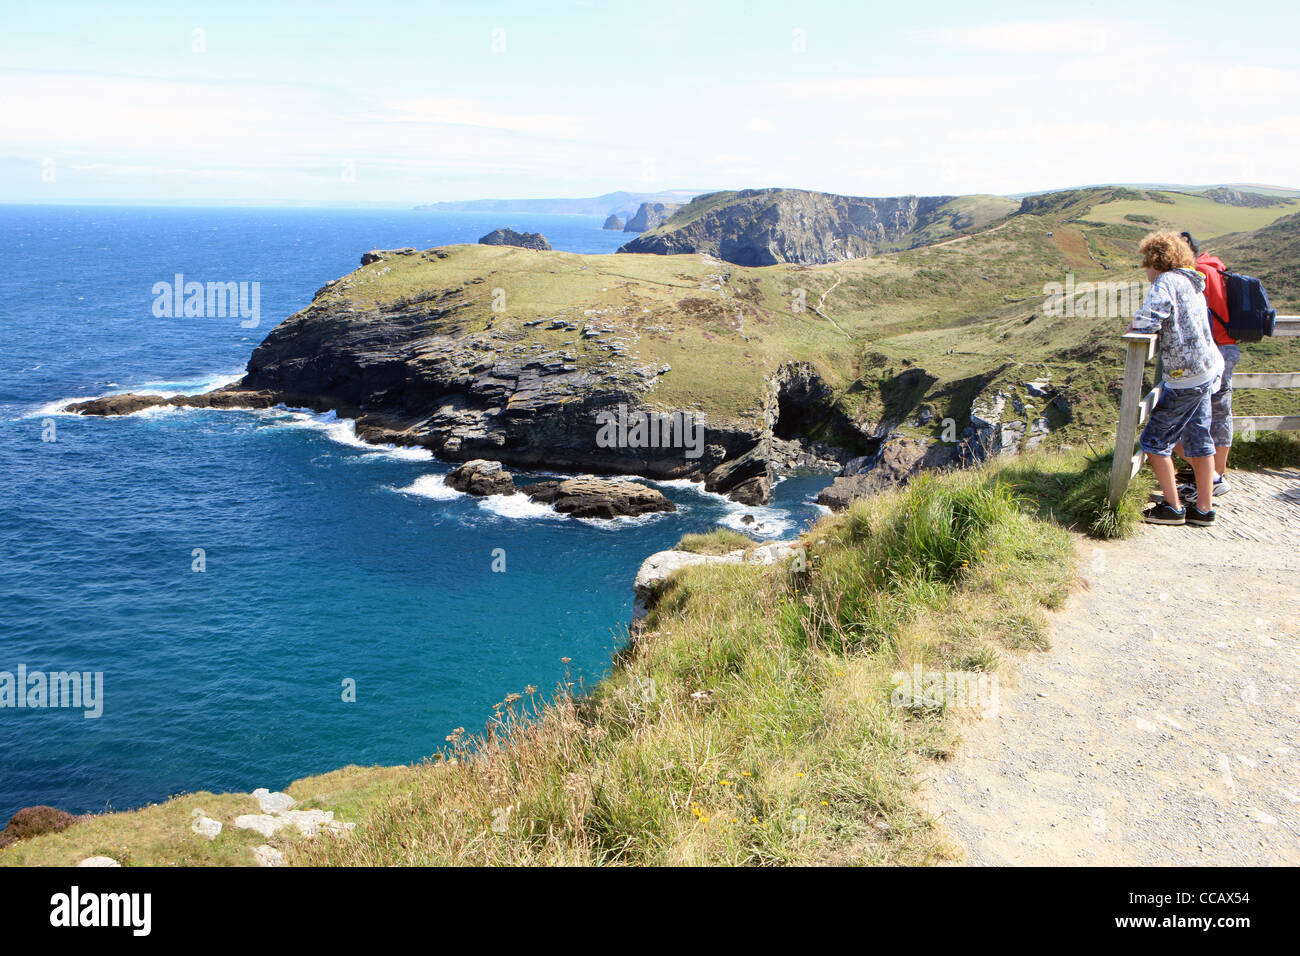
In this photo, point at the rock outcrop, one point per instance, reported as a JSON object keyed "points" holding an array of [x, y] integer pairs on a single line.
{"points": [[127, 404], [480, 477], [760, 227], [651, 215], [899, 459], [613, 222], [656, 570], [598, 497], [508, 237]]}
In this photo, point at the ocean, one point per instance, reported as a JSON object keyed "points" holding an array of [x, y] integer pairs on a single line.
{"points": [[263, 596]]}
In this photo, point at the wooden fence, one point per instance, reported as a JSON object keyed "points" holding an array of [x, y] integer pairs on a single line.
{"points": [[1135, 408]]}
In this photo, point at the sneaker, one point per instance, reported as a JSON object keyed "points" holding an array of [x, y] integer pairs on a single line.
{"points": [[1187, 490], [1163, 514], [1202, 519]]}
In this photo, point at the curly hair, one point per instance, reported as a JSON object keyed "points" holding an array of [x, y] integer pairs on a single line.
{"points": [[1163, 251]]}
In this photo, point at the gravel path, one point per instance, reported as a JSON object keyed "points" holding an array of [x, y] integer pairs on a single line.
{"points": [[1163, 726]]}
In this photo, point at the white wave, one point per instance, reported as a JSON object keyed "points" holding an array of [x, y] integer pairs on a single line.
{"points": [[430, 486], [628, 521], [769, 522], [186, 386], [517, 506], [344, 431], [194, 386], [687, 484]]}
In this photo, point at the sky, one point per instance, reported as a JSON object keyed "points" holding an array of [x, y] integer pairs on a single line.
{"points": [[358, 103]]}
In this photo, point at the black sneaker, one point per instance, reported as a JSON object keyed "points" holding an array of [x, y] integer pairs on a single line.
{"points": [[1202, 519], [1163, 514], [1187, 490]]}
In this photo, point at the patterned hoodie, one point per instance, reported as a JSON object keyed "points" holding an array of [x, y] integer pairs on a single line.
{"points": [[1175, 308]]}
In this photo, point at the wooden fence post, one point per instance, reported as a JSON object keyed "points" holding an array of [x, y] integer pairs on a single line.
{"points": [[1140, 347]]}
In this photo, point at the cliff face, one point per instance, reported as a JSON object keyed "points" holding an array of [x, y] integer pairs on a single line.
{"points": [[760, 227], [651, 215], [508, 237]]}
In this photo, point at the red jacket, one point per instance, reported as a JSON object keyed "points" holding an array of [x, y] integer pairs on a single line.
{"points": [[1213, 268]]}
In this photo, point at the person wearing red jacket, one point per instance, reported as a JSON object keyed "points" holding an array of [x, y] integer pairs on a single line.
{"points": [[1212, 268]]}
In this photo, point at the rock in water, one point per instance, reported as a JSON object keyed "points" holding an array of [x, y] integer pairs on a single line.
{"points": [[650, 215], [508, 237], [481, 477], [598, 497], [613, 222]]}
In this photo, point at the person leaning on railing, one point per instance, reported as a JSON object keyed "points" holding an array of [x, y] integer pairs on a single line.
{"points": [[1174, 308], [1216, 300]]}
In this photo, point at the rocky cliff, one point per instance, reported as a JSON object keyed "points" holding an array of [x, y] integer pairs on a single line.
{"points": [[508, 237], [760, 227], [651, 215]]}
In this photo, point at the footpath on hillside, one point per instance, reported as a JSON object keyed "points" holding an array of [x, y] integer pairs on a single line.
{"points": [[1163, 725]]}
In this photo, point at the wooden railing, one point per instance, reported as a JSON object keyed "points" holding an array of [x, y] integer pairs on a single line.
{"points": [[1135, 410]]}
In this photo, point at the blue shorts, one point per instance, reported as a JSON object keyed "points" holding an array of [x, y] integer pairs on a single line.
{"points": [[1182, 414], [1221, 402]]}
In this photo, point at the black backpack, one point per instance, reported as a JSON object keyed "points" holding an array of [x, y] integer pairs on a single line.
{"points": [[1250, 317]]}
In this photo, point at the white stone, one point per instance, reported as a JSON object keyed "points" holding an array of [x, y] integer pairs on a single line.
{"points": [[99, 861], [267, 855], [204, 825], [275, 802], [263, 823]]}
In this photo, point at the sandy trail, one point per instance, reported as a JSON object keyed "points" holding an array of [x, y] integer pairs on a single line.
{"points": [[1163, 726]]}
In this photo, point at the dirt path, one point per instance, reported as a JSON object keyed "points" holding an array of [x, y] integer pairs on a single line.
{"points": [[1163, 726]]}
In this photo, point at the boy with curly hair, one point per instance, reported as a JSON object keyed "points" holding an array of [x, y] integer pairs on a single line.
{"points": [[1174, 308]]}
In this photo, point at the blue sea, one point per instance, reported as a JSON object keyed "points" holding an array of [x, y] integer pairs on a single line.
{"points": [[326, 563]]}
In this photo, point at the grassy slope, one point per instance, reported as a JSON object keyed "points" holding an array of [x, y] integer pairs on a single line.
{"points": [[751, 724], [967, 310]]}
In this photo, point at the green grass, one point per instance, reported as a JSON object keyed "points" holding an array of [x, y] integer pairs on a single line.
{"points": [[719, 541], [1266, 450], [753, 722]]}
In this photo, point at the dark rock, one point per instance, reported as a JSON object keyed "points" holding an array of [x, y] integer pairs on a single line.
{"points": [[598, 497], [33, 821], [613, 222], [508, 237], [481, 477], [379, 255], [651, 215], [115, 404], [129, 403], [900, 458]]}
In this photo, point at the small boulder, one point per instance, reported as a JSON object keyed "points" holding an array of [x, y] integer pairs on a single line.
{"points": [[273, 802], [204, 825], [267, 855], [481, 477], [99, 861], [598, 497]]}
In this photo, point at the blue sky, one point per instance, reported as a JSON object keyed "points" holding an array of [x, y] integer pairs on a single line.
{"points": [[411, 102]]}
